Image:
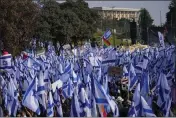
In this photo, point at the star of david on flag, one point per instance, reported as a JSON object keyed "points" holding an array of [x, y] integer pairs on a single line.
{"points": [[5, 62]]}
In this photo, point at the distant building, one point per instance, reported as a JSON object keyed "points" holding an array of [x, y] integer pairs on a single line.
{"points": [[118, 13]]}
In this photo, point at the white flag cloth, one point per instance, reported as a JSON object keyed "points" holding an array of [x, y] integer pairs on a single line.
{"points": [[161, 39], [5, 62], [30, 99]]}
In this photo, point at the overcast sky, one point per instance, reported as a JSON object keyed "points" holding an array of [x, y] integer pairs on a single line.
{"points": [[154, 7]]}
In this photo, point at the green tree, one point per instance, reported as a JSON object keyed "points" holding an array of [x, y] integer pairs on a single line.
{"points": [[17, 23], [56, 24], [47, 25], [171, 16], [68, 27], [145, 21], [123, 28], [88, 18]]}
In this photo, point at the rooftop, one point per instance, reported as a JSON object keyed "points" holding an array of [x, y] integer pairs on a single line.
{"points": [[115, 8]]}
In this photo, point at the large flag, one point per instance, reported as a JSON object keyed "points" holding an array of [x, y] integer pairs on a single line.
{"points": [[102, 98], [105, 38], [140, 107], [164, 96], [30, 98], [84, 103], [12, 98], [146, 110]]}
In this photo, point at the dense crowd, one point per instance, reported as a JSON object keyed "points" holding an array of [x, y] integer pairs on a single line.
{"points": [[116, 89]]}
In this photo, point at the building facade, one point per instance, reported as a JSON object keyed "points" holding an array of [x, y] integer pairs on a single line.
{"points": [[118, 13]]}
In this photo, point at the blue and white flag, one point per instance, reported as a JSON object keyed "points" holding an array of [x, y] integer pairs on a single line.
{"points": [[12, 98], [132, 78], [161, 39], [132, 111], [50, 106], [57, 103], [144, 82], [30, 97], [41, 90], [84, 103], [163, 89], [6, 62], [75, 106], [146, 110]]}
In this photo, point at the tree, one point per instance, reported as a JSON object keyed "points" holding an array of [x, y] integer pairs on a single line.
{"points": [[17, 24], [123, 26], [58, 25], [145, 21], [88, 18], [171, 16], [68, 27], [68, 22], [49, 19]]}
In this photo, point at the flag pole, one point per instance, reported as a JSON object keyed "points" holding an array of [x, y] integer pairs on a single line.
{"points": [[102, 41]]}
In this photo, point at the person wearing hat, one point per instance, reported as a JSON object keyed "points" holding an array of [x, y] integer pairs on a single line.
{"points": [[4, 52]]}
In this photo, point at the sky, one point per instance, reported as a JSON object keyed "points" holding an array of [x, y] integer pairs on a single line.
{"points": [[154, 7]]}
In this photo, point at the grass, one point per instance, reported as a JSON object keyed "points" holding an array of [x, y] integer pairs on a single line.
{"points": [[118, 41]]}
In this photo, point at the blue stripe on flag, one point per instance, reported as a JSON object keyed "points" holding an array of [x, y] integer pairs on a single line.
{"points": [[74, 108], [5, 57], [13, 107], [50, 106], [148, 110], [38, 111], [40, 88], [49, 113], [6, 67], [101, 101], [28, 90]]}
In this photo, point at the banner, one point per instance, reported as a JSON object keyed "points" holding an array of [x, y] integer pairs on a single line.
{"points": [[161, 39]]}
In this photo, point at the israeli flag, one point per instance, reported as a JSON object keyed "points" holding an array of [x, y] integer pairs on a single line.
{"points": [[41, 90], [50, 106], [5, 62], [12, 101], [146, 110], [84, 103], [57, 103], [132, 111], [75, 106], [30, 98]]}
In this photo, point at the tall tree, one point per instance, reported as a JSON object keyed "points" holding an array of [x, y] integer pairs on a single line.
{"points": [[123, 28], [171, 16], [145, 21], [17, 23], [47, 25], [68, 27], [88, 18], [58, 25]]}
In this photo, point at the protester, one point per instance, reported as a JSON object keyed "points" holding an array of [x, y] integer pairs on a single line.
{"points": [[55, 86]]}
